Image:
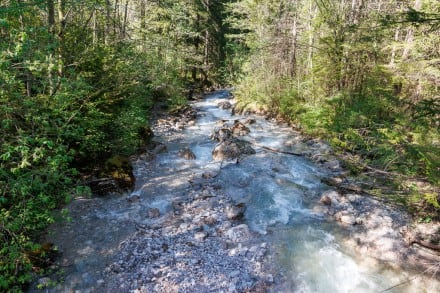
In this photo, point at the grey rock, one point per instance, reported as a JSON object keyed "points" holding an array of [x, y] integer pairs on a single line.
{"points": [[231, 149], [326, 200], [348, 219], [153, 213], [225, 105], [239, 233], [200, 236], [235, 212], [239, 129], [221, 134], [187, 154]]}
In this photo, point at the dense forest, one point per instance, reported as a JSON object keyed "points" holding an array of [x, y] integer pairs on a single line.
{"points": [[79, 81]]}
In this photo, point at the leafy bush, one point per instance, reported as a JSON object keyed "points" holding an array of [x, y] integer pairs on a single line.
{"points": [[99, 108]]}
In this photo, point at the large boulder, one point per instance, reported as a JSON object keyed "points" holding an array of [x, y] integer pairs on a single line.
{"points": [[231, 149]]}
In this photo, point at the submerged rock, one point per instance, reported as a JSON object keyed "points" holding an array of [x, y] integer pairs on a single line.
{"points": [[187, 154], [159, 148], [153, 213]]}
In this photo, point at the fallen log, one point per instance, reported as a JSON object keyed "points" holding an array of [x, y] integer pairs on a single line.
{"points": [[278, 151], [412, 239]]}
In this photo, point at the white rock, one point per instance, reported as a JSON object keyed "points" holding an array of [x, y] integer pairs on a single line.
{"points": [[200, 236], [239, 233], [348, 219]]}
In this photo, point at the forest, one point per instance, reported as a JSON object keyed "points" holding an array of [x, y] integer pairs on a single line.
{"points": [[80, 80]]}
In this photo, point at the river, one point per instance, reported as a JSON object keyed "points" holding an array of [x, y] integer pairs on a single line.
{"points": [[306, 251]]}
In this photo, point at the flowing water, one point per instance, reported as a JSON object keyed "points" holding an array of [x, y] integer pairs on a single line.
{"points": [[280, 191]]}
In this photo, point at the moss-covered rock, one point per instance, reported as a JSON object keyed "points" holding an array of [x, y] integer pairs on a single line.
{"points": [[119, 169], [115, 176]]}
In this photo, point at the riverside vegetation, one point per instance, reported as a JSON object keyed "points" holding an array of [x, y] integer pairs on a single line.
{"points": [[80, 79]]}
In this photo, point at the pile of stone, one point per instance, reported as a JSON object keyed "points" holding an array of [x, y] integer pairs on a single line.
{"points": [[229, 147], [201, 246], [175, 121]]}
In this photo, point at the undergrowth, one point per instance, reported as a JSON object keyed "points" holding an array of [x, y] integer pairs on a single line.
{"points": [[389, 138]]}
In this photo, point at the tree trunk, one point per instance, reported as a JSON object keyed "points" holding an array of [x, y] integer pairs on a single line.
{"points": [[51, 16], [95, 27], [410, 34], [124, 24], [292, 72], [51, 29], [116, 21], [143, 24], [107, 22], [393, 49], [61, 26], [312, 15]]}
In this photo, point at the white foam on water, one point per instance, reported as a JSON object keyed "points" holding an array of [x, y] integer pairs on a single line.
{"points": [[269, 205], [275, 189]]}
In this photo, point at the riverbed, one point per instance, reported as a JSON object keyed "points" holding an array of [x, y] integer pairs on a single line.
{"points": [[253, 224]]}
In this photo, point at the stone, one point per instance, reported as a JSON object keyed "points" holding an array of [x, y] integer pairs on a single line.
{"points": [[235, 212], [153, 213], [187, 154], [250, 121], [239, 233], [326, 200], [200, 236], [333, 181], [331, 197], [348, 219], [333, 165], [221, 134], [239, 129], [225, 105], [232, 149]]}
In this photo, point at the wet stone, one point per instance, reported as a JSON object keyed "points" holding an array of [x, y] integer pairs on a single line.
{"points": [[235, 212], [225, 105], [187, 154], [153, 213]]}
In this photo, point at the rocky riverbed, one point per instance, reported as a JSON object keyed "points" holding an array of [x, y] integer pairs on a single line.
{"points": [[197, 223]]}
